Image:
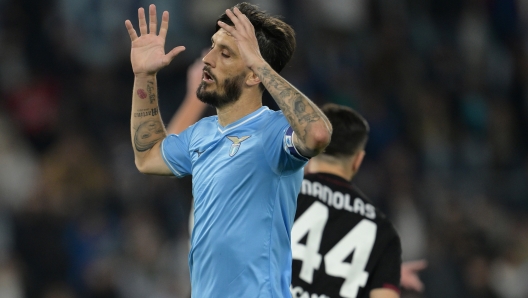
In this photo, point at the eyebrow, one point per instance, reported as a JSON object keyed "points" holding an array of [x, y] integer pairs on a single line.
{"points": [[224, 47]]}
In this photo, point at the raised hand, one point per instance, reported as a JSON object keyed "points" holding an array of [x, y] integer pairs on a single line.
{"points": [[244, 34], [409, 275], [148, 50]]}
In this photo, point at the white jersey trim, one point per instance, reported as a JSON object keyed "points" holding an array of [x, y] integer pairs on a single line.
{"points": [[243, 122]]}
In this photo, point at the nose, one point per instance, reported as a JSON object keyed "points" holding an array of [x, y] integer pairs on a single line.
{"points": [[208, 58]]}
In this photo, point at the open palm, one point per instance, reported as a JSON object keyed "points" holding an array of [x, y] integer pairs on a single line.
{"points": [[148, 50]]}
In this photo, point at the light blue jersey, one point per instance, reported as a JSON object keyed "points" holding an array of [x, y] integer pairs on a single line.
{"points": [[246, 177]]}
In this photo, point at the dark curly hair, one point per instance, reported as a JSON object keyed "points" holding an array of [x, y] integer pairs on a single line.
{"points": [[350, 130], [276, 39]]}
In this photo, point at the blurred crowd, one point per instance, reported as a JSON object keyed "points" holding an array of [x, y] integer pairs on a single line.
{"points": [[443, 84]]}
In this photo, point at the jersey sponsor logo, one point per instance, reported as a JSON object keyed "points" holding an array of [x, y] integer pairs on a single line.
{"points": [[298, 292], [236, 143], [337, 199]]}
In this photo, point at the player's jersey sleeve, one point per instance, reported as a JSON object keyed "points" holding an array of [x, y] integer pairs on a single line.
{"points": [[388, 271], [175, 153], [281, 153]]}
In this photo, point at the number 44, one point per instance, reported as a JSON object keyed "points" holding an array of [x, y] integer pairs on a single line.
{"points": [[359, 240]]}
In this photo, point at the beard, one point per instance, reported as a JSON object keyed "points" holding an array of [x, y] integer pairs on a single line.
{"points": [[232, 91]]}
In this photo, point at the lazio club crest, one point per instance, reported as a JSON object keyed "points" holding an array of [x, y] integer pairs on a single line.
{"points": [[236, 144]]}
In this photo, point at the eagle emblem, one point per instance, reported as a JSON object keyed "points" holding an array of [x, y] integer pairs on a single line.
{"points": [[236, 144]]}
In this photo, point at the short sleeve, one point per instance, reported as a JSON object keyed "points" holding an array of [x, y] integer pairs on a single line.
{"points": [[281, 153], [388, 270], [175, 153]]}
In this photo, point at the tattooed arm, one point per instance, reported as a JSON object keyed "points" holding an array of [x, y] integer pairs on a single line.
{"points": [[147, 129], [312, 128], [148, 57]]}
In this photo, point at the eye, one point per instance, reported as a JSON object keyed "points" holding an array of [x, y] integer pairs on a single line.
{"points": [[225, 55]]}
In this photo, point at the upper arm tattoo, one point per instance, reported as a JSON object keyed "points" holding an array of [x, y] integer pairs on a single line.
{"points": [[294, 105]]}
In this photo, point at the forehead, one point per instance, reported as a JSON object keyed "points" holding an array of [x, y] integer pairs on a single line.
{"points": [[222, 36]]}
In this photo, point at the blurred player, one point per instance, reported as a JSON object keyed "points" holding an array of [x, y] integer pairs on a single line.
{"points": [[342, 245], [246, 163]]}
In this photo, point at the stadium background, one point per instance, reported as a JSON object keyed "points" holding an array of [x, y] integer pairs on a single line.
{"points": [[443, 84]]}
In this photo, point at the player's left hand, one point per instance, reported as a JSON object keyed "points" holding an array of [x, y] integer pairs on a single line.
{"points": [[409, 275], [244, 34]]}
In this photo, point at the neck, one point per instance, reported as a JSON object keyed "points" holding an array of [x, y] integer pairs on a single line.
{"points": [[245, 105], [341, 169]]}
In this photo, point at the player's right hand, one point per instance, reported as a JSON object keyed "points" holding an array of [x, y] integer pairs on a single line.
{"points": [[148, 50]]}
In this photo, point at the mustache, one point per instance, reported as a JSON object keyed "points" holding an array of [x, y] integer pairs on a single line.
{"points": [[207, 68]]}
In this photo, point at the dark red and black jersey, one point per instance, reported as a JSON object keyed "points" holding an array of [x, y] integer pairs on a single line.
{"points": [[342, 246]]}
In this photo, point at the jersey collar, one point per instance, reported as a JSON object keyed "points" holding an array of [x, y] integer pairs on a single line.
{"points": [[334, 178], [249, 117]]}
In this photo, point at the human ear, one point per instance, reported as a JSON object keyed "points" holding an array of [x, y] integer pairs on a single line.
{"points": [[358, 159], [252, 79]]}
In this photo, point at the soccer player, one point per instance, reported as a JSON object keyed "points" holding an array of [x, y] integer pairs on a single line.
{"points": [[342, 245], [191, 111], [246, 163]]}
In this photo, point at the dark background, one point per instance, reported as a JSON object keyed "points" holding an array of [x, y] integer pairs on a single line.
{"points": [[441, 82]]}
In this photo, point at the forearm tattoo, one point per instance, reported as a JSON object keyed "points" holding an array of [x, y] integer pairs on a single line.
{"points": [[298, 109], [146, 112], [148, 134], [141, 93], [150, 91]]}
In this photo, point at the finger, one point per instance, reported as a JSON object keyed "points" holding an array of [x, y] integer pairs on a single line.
{"points": [[234, 19], [153, 19], [419, 286], [417, 265], [228, 28], [142, 21], [173, 53], [242, 18], [416, 285], [249, 24], [131, 30], [412, 282], [164, 24]]}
